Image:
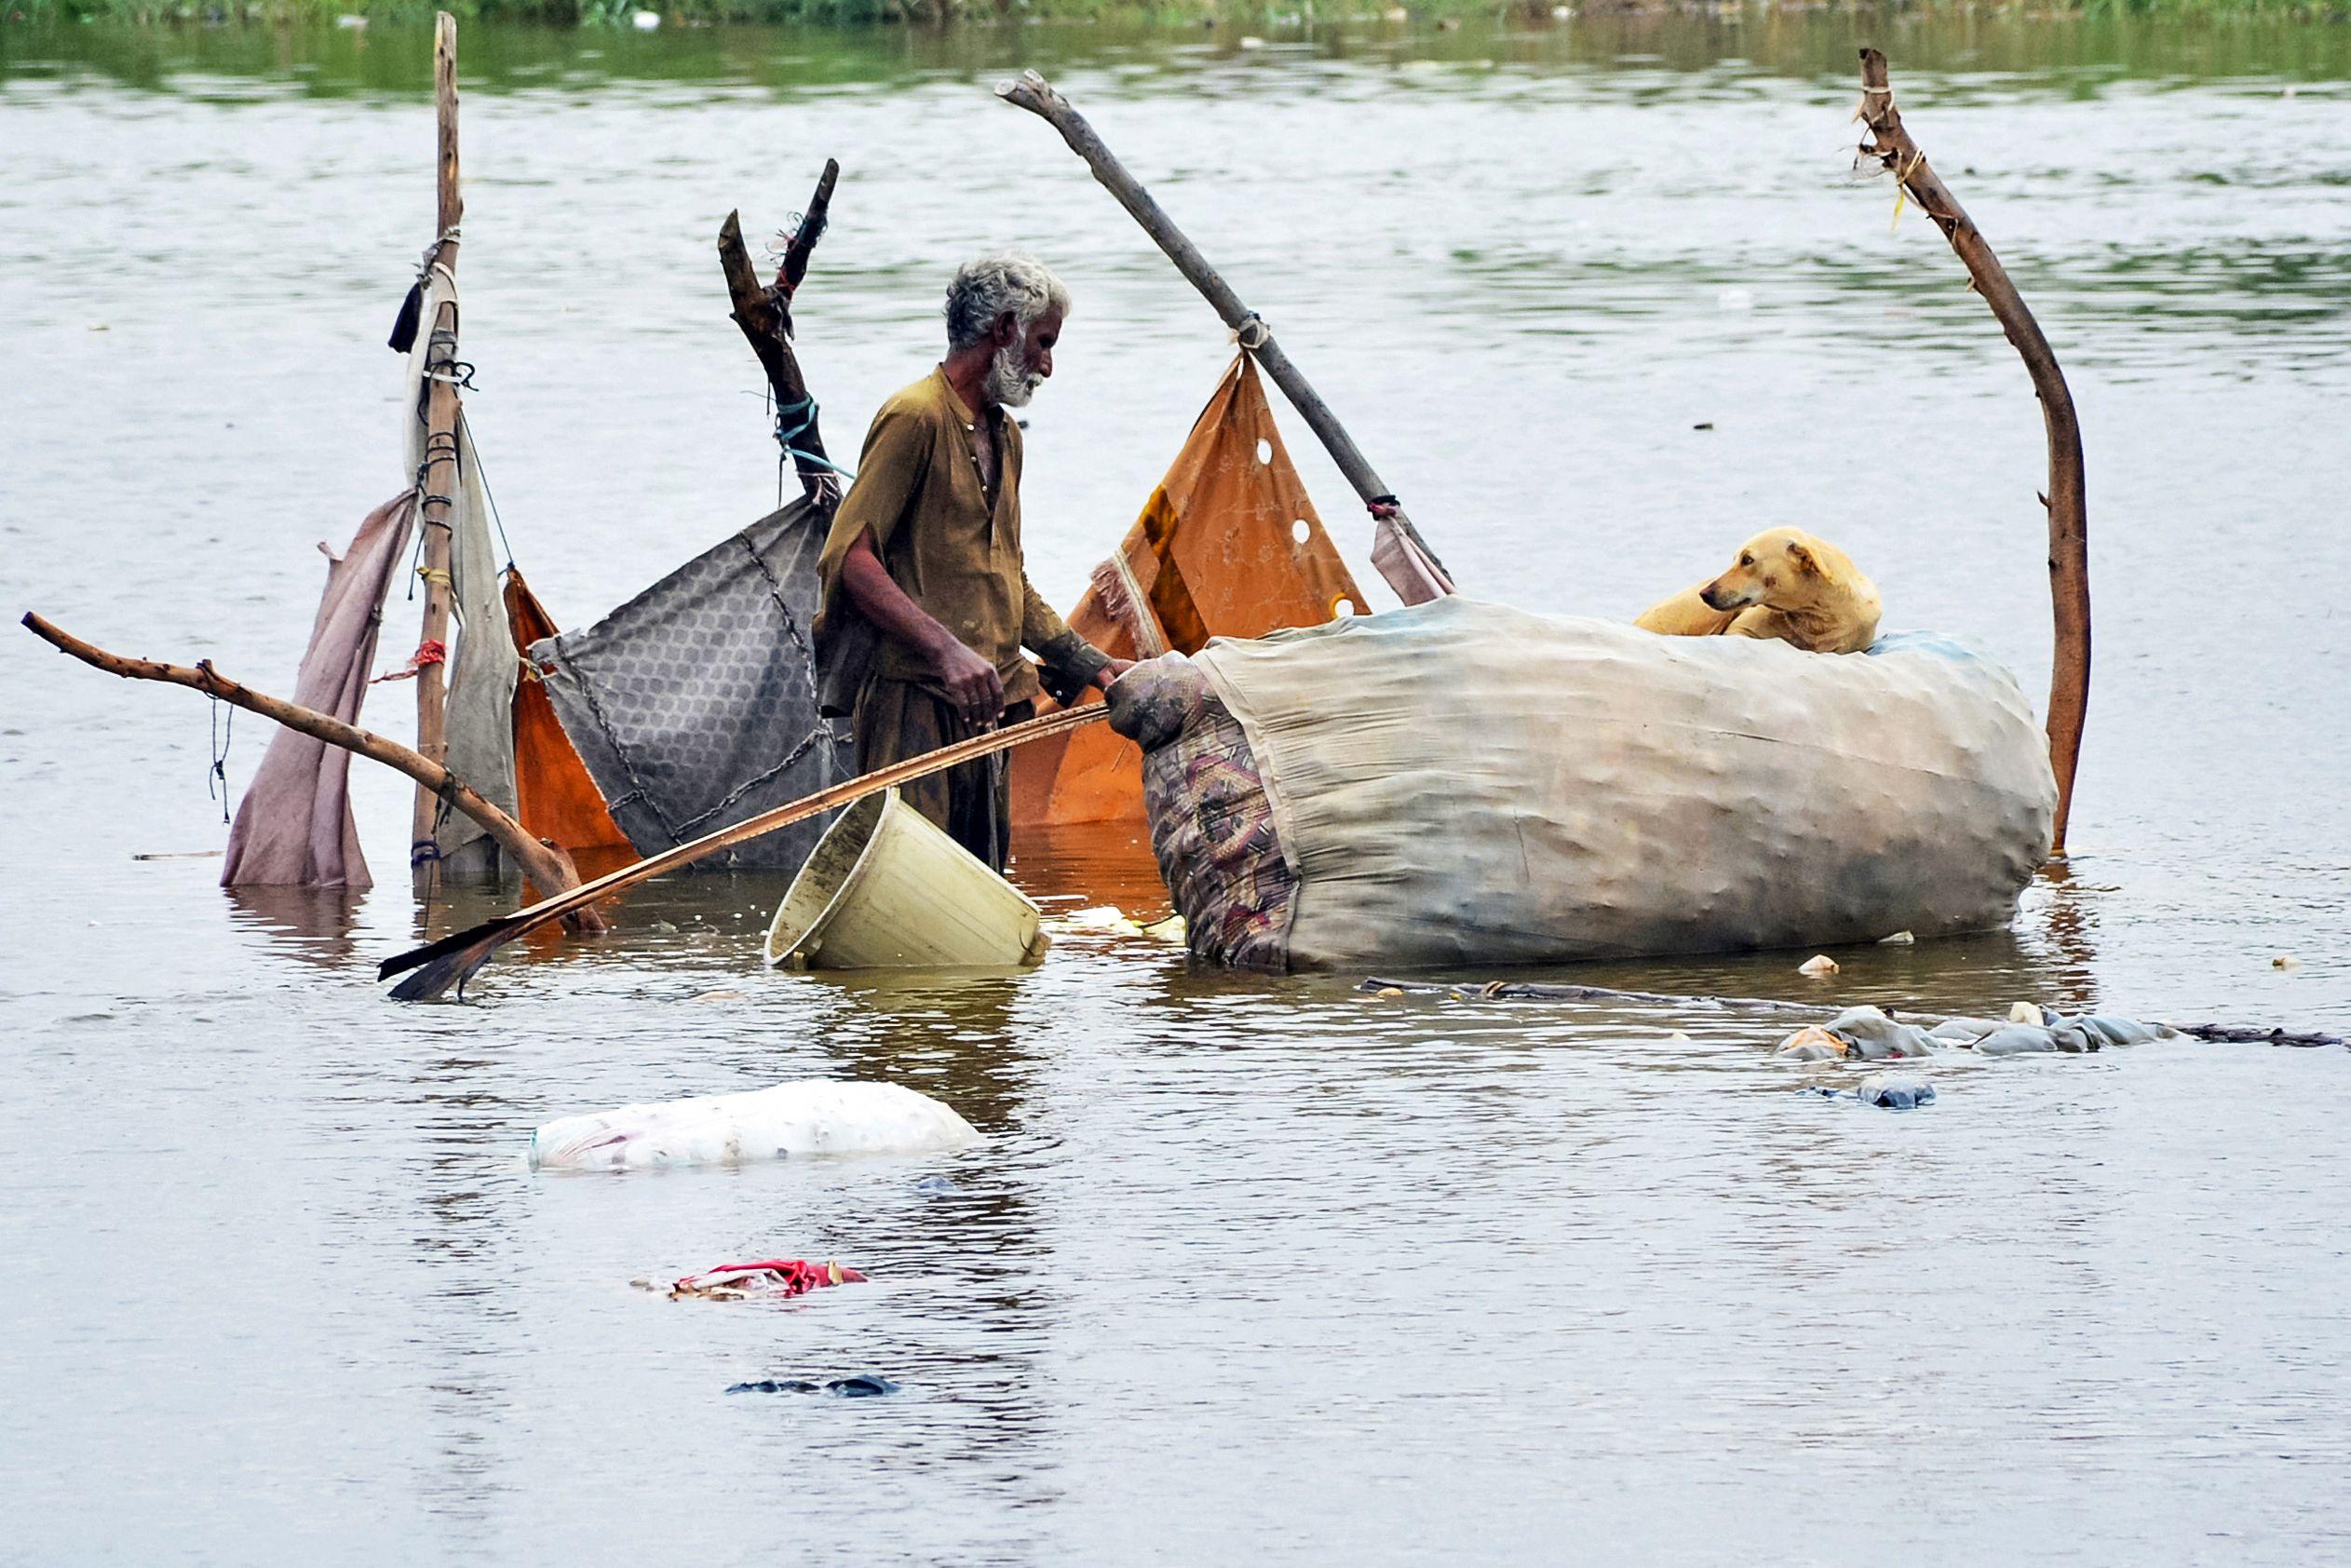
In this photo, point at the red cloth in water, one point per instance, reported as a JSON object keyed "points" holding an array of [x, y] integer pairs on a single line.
{"points": [[788, 1276]]}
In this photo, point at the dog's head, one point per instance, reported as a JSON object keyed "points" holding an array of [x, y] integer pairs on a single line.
{"points": [[1779, 568]]}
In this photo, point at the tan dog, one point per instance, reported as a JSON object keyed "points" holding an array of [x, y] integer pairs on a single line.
{"points": [[1786, 584]]}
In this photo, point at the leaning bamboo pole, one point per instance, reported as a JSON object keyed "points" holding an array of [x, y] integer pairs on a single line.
{"points": [[437, 483], [449, 962], [2069, 524], [545, 865], [1415, 581]]}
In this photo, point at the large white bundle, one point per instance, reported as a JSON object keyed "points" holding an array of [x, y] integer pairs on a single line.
{"points": [[1462, 783], [816, 1117]]}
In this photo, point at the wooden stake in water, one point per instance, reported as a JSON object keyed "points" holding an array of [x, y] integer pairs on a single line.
{"points": [[2069, 522], [439, 481]]}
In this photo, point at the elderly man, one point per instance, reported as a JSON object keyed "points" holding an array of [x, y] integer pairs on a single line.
{"points": [[926, 600]]}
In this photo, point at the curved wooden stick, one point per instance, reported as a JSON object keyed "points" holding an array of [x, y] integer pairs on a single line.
{"points": [[2069, 525], [1415, 582], [545, 865], [450, 960]]}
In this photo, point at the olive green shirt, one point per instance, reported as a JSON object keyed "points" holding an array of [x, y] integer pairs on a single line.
{"points": [[952, 546]]}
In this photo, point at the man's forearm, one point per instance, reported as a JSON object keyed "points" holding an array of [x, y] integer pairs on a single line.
{"points": [[967, 680], [893, 613]]}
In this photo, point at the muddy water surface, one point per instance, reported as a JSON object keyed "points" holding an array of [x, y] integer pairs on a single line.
{"points": [[1249, 1269]]}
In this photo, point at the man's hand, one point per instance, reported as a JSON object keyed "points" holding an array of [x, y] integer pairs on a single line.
{"points": [[1112, 671], [971, 683]]}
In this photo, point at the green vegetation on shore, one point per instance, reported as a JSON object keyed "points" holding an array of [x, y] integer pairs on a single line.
{"points": [[593, 13]]}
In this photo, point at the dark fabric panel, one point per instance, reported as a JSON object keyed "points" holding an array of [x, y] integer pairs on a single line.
{"points": [[695, 704]]}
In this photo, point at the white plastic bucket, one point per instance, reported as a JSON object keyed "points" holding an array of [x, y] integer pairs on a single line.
{"points": [[885, 889]]}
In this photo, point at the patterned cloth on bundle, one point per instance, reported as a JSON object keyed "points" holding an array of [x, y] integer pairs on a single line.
{"points": [[1211, 828]]}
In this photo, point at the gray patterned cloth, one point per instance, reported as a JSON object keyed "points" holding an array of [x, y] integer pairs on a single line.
{"points": [[695, 704]]}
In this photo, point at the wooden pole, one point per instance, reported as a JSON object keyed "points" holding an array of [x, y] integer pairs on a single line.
{"points": [[2069, 524], [764, 313], [544, 864], [449, 961], [438, 482], [1038, 96]]}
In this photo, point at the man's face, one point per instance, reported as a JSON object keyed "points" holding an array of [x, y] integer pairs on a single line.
{"points": [[1024, 362], [1044, 332]]}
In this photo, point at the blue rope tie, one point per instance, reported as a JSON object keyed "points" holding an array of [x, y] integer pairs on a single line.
{"points": [[793, 420]]}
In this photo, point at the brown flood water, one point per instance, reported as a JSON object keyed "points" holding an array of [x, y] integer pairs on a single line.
{"points": [[1250, 1268]]}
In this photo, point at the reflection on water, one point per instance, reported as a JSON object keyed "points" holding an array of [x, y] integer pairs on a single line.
{"points": [[314, 925], [1250, 1269]]}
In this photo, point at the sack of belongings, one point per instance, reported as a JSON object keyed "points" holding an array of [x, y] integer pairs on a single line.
{"points": [[1462, 783]]}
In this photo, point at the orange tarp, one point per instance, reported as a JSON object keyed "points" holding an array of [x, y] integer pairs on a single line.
{"points": [[1228, 545], [555, 797]]}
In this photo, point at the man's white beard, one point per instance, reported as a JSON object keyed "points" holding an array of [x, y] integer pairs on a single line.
{"points": [[1010, 382]]}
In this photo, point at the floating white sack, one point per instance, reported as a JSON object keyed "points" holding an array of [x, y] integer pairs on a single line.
{"points": [[815, 1117], [1461, 783]]}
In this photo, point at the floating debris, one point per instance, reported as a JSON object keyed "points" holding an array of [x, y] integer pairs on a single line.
{"points": [[1895, 1091], [1108, 917], [1812, 1043], [1888, 1091], [773, 1277], [2084, 1032], [862, 1386], [789, 1120]]}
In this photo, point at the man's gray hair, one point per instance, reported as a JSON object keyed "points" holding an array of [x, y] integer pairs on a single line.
{"points": [[985, 288]]}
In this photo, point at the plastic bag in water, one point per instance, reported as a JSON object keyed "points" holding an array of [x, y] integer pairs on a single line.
{"points": [[817, 1117]]}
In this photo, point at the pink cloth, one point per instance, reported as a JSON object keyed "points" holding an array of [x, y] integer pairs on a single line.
{"points": [[1415, 578], [295, 826], [780, 1276]]}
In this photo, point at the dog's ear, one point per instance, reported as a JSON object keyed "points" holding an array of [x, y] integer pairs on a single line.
{"points": [[1802, 556]]}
